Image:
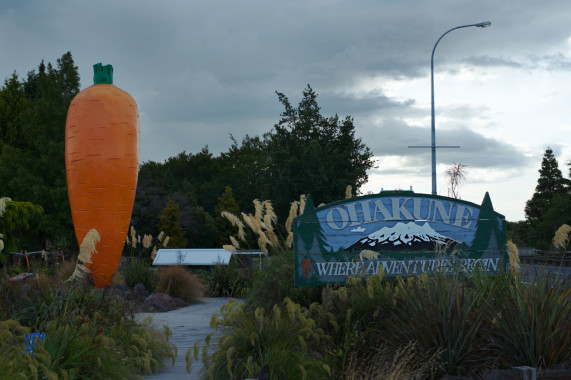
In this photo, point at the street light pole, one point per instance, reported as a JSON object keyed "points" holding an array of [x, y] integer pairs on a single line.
{"points": [[433, 128]]}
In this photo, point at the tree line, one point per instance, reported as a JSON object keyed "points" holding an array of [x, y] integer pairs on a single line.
{"points": [[304, 152]]}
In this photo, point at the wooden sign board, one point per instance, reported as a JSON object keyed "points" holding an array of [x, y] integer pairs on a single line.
{"points": [[404, 233]]}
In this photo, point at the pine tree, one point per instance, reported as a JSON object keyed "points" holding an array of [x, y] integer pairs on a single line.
{"points": [[549, 184], [226, 202], [169, 222]]}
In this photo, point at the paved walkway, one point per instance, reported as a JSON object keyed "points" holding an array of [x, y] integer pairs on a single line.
{"points": [[187, 325]]}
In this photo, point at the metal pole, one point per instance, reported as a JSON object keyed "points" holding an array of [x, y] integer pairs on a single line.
{"points": [[433, 127]]}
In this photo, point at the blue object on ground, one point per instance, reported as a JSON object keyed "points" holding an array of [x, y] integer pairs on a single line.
{"points": [[31, 341]]}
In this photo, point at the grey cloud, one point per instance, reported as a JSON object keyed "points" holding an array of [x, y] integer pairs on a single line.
{"points": [[393, 137], [488, 61], [200, 69]]}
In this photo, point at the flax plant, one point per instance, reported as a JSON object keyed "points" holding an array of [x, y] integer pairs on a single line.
{"points": [[441, 313], [531, 322]]}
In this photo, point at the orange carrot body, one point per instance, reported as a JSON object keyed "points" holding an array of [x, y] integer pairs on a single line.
{"points": [[102, 161]]}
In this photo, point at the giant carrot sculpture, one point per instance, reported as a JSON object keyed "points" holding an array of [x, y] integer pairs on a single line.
{"points": [[102, 159]]}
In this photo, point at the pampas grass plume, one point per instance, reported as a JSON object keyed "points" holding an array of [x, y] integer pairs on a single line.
{"points": [[272, 237], [368, 254], [561, 238], [147, 241], [270, 212], [229, 247], [292, 214], [302, 200], [257, 225], [262, 241], [235, 242], [268, 221], [348, 192], [154, 253], [86, 250], [513, 255], [249, 222], [166, 241], [133, 237], [289, 240], [241, 233], [259, 209], [235, 221]]}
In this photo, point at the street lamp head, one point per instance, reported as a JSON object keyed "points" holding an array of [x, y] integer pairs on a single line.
{"points": [[483, 24]]}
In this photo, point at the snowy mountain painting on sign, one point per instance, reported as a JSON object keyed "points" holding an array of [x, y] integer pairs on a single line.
{"points": [[404, 236], [410, 234]]}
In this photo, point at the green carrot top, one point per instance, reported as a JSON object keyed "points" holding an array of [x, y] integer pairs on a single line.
{"points": [[102, 74]]}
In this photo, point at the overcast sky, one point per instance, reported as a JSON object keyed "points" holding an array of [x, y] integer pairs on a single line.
{"points": [[202, 70]]}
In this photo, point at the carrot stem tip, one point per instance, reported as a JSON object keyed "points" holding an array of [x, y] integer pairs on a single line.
{"points": [[102, 74]]}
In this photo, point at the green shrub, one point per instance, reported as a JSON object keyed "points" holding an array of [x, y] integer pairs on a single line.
{"points": [[232, 280], [177, 281], [88, 335], [275, 282], [16, 362], [350, 314], [138, 271], [285, 339]]}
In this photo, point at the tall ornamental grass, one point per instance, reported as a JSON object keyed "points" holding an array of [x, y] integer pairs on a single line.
{"points": [[284, 339], [89, 333], [530, 322], [440, 313]]}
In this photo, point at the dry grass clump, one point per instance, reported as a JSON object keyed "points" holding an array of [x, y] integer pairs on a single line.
{"points": [[65, 269], [409, 362], [178, 282]]}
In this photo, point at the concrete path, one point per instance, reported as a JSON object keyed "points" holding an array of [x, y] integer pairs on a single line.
{"points": [[187, 325]]}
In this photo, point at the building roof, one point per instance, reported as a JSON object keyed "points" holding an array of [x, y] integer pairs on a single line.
{"points": [[196, 256]]}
